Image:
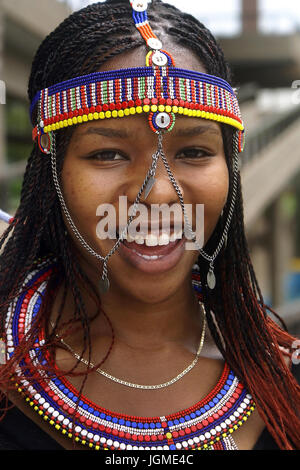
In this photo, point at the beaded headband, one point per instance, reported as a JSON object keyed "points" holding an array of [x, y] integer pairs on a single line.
{"points": [[160, 90]]}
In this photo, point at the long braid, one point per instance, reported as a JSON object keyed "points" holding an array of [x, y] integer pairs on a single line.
{"points": [[236, 314], [251, 338]]}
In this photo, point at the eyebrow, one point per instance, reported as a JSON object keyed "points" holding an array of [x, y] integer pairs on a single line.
{"points": [[107, 132], [179, 132], [195, 131]]}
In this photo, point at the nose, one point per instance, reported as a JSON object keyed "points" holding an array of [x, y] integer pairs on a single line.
{"points": [[162, 191]]}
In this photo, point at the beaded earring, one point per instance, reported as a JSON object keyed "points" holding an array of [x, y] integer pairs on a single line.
{"points": [[160, 90]]}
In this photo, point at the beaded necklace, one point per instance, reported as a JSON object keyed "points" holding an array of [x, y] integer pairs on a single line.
{"points": [[208, 424]]}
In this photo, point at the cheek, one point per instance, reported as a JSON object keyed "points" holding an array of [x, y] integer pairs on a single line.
{"points": [[217, 191], [84, 190], [210, 188]]}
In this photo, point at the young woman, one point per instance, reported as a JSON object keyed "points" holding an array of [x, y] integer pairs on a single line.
{"points": [[137, 343]]}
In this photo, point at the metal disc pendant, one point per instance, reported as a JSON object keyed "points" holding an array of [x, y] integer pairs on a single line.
{"points": [[149, 186], [211, 279], [162, 120], [154, 43], [139, 5], [104, 285], [159, 59]]}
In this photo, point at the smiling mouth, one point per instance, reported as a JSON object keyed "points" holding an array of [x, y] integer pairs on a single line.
{"points": [[153, 253]]}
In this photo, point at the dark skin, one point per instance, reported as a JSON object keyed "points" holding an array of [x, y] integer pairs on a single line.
{"points": [[156, 335]]}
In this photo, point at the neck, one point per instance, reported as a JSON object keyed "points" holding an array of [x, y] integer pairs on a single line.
{"points": [[171, 319], [175, 318]]}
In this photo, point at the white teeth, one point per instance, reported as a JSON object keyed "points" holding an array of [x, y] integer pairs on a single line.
{"points": [[149, 257], [173, 237], [152, 239], [154, 257], [178, 234], [164, 239], [139, 239], [129, 238]]}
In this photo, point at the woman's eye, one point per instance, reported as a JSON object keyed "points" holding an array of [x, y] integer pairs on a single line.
{"points": [[106, 155], [192, 153]]}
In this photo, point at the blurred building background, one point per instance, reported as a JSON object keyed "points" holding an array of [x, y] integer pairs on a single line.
{"points": [[262, 43]]}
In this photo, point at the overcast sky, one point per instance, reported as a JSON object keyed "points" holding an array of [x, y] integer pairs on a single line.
{"points": [[222, 17]]}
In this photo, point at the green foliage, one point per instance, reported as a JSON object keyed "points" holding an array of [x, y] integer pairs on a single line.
{"points": [[14, 192], [18, 130]]}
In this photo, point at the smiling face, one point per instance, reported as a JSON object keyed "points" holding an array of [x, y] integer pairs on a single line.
{"points": [[110, 158]]}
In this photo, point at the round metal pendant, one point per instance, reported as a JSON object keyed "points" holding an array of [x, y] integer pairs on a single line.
{"points": [[159, 59], [139, 5], [154, 44], [211, 279], [162, 120], [103, 285]]}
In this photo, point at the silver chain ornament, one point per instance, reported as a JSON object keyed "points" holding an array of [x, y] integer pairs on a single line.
{"points": [[139, 386], [146, 186], [211, 278], [146, 189]]}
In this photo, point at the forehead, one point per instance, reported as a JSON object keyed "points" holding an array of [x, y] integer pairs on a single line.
{"points": [[184, 58]]}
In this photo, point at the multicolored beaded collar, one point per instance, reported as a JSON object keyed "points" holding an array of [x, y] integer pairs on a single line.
{"points": [[160, 90], [208, 424]]}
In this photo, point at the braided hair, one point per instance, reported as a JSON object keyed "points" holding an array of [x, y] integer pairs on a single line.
{"points": [[237, 316]]}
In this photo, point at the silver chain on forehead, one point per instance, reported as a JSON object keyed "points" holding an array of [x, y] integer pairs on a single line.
{"points": [[146, 187]]}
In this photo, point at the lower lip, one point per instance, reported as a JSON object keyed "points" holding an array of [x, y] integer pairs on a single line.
{"points": [[168, 255]]}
